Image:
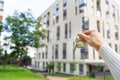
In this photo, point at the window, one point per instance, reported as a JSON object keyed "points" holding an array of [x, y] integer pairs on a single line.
{"points": [[48, 19], [73, 50], [56, 51], [39, 55], [66, 31], [98, 26], [107, 8], [58, 33], [45, 19], [92, 7], [82, 6], [48, 37], [98, 3], [70, 29], [43, 65], [116, 32], [64, 9], [84, 52], [64, 67], [54, 15], [116, 49], [110, 44], [64, 14], [46, 52], [113, 10], [53, 52], [43, 55], [85, 22], [57, 13], [64, 51], [81, 68], [108, 30], [76, 5], [64, 3]]}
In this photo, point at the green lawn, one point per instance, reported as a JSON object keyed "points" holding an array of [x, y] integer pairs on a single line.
{"points": [[15, 73], [80, 78]]}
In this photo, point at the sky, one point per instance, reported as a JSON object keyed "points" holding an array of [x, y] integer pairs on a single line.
{"points": [[37, 6]]}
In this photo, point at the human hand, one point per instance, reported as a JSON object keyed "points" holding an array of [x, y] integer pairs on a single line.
{"points": [[92, 38]]}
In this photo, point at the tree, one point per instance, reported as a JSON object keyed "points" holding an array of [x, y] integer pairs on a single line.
{"points": [[24, 30], [50, 67], [58, 65], [73, 66], [26, 61]]}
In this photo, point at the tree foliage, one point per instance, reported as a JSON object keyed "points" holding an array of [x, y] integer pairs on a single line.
{"points": [[24, 31]]}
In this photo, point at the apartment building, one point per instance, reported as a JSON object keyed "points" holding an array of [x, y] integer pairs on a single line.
{"points": [[64, 20]]}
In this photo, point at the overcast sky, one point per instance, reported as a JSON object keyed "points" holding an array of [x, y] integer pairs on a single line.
{"points": [[37, 6]]}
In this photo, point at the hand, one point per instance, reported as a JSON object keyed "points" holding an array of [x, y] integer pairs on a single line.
{"points": [[92, 38]]}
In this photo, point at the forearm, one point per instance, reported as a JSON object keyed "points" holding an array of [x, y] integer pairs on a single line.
{"points": [[112, 59]]}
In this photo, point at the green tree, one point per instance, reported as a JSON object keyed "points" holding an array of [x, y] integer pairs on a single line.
{"points": [[24, 31], [58, 65], [26, 60], [73, 66]]}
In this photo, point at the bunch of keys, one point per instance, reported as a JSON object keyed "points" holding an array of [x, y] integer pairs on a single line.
{"points": [[78, 44]]}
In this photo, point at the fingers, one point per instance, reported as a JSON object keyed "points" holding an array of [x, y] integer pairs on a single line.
{"points": [[83, 37]]}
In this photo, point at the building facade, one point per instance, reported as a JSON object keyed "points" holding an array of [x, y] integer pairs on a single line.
{"points": [[63, 21]]}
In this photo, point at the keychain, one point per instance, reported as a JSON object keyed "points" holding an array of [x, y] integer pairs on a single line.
{"points": [[78, 44]]}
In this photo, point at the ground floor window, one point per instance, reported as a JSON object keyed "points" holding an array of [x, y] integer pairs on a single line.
{"points": [[81, 68]]}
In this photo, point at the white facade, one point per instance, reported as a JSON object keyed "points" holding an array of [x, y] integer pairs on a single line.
{"points": [[64, 20]]}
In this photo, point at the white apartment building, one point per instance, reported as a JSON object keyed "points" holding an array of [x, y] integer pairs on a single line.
{"points": [[64, 20]]}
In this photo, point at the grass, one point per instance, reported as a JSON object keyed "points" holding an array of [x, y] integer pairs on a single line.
{"points": [[15, 73], [88, 78], [79, 78]]}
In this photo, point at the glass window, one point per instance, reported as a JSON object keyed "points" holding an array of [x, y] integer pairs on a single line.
{"points": [[43, 55], [48, 36], [108, 30], [70, 29], [84, 52], [66, 31], [82, 6], [64, 14], [64, 67], [64, 3], [64, 51], [76, 5], [46, 52], [45, 19], [53, 52], [85, 22], [92, 7], [81, 68], [116, 32], [116, 48], [57, 13], [58, 33], [98, 4], [98, 26], [56, 51]]}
